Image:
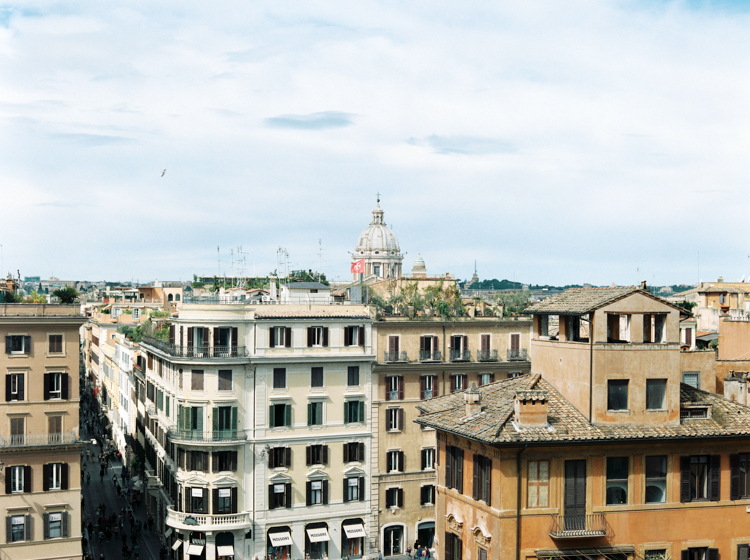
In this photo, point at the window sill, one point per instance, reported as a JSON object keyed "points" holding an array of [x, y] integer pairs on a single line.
{"points": [[619, 411], [657, 410], [394, 431]]}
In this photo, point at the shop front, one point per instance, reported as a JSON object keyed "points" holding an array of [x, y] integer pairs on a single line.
{"points": [[393, 540], [279, 543], [196, 548], [426, 533], [353, 538], [225, 546], [316, 540]]}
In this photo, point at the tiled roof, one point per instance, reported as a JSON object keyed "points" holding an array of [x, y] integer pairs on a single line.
{"points": [[339, 311], [307, 286], [495, 423], [577, 301]]}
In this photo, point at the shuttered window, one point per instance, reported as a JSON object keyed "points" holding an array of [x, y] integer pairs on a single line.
{"points": [[454, 468], [700, 477], [538, 484], [482, 479]]}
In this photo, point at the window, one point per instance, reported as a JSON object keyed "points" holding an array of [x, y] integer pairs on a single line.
{"points": [[197, 500], [352, 376], [17, 430], [160, 399], [354, 452], [394, 387], [394, 498], [428, 458], [224, 461], [739, 466], [700, 554], [482, 479], [16, 480], [54, 424], [354, 489], [428, 348], [317, 336], [459, 349], [700, 477], [427, 386], [316, 377], [55, 344], [427, 495], [656, 394], [315, 413], [54, 524], [692, 378], [656, 479], [486, 379], [454, 468], [394, 419], [53, 476], [481, 553], [280, 337], [354, 336], [617, 394], [196, 380], [280, 415], [655, 554], [280, 496], [279, 378], [196, 461], [55, 385], [17, 344], [618, 327], [394, 461], [225, 419], [354, 411], [279, 457], [722, 299], [14, 387], [225, 380], [19, 528], [393, 354], [223, 500], [317, 492], [453, 547], [538, 484], [458, 382], [654, 328], [316, 455], [617, 481]]}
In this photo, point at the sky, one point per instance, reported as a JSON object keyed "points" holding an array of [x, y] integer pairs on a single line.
{"points": [[550, 142]]}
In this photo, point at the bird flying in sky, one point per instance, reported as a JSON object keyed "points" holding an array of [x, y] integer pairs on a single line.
{"points": [[163, 172]]}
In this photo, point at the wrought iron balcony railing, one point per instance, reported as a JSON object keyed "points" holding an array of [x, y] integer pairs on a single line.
{"points": [[487, 356], [430, 356], [394, 356], [578, 526], [219, 436], [32, 440], [460, 356], [205, 351], [517, 354]]}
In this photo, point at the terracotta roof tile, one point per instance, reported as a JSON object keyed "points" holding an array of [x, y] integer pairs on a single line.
{"points": [[577, 301]]}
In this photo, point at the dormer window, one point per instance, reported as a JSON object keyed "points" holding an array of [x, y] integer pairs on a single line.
{"points": [[694, 412], [654, 328], [618, 328]]}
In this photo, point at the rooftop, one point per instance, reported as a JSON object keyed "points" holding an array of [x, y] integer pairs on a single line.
{"points": [[565, 424], [39, 310], [577, 301]]}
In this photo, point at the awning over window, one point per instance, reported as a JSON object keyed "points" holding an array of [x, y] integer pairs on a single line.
{"points": [[318, 535], [280, 539], [176, 545], [225, 550], [593, 552], [354, 531], [195, 549], [167, 533]]}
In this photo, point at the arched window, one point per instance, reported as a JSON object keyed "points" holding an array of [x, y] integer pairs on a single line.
{"points": [[170, 297], [177, 297]]}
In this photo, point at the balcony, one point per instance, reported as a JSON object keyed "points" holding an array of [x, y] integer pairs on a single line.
{"points": [[201, 352], [517, 354], [208, 522], [460, 356], [430, 356], [195, 436], [151, 409], [578, 526], [394, 357], [487, 356], [33, 440]]}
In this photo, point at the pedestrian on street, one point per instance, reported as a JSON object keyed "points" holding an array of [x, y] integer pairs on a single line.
{"points": [[136, 551], [101, 476], [88, 478]]}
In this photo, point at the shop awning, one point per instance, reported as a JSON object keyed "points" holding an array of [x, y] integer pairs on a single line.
{"points": [[354, 531], [167, 533], [225, 550], [318, 535], [176, 545], [195, 549], [577, 552], [280, 539]]}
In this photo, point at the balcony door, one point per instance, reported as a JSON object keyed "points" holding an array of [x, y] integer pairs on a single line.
{"points": [[575, 494]]}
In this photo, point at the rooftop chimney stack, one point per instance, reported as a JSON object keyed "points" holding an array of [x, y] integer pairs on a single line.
{"points": [[530, 407], [473, 399], [735, 387]]}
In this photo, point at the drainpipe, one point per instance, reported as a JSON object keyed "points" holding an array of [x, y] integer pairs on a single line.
{"points": [[518, 502], [591, 368]]}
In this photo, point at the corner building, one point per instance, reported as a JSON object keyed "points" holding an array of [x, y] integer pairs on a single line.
{"points": [[258, 430]]}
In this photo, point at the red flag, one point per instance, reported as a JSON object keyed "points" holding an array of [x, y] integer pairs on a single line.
{"points": [[358, 266]]}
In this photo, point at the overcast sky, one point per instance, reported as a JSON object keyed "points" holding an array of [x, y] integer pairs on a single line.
{"points": [[553, 142]]}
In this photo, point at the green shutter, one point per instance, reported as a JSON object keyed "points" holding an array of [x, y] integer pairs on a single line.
{"points": [[346, 412], [270, 417], [361, 407], [199, 426], [180, 417], [233, 419], [215, 419], [288, 415], [310, 413]]}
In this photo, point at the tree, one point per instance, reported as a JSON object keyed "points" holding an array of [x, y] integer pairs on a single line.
{"points": [[512, 302], [67, 294], [687, 305]]}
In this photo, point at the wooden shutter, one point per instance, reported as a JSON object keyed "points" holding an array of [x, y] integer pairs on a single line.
{"points": [[309, 337], [206, 336], [27, 479], [361, 409], [308, 493], [361, 484], [215, 500], [492, 378], [485, 343], [46, 386], [7, 351], [487, 471], [401, 419], [449, 462], [734, 478], [743, 552], [361, 336], [233, 500], [308, 455], [421, 387], [325, 454], [27, 345], [346, 490], [199, 424], [465, 345], [400, 461], [205, 501], [400, 495], [7, 388], [64, 383], [64, 476], [310, 413], [346, 460], [360, 452], [476, 494], [190, 340], [424, 461], [171, 334], [714, 474], [215, 461], [45, 519], [460, 470], [713, 554], [271, 417], [453, 383], [27, 525], [217, 337], [182, 336], [8, 526], [21, 381], [325, 491], [347, 336], [685, 479], [515, 341], [288, 337], [287, 415], [270, 496], [422, 344], [287, 456], [271, 337], [400, 387], [46, 475], [435, 392], [204, 461], [325, 336], [233, 418], [387, 389]]}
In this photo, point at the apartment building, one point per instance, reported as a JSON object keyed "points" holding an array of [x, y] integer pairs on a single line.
{"points": [[257, 430], [419, 359], [602, 452], [39, 443]]}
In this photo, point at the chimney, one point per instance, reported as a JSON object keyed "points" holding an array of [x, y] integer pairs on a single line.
{"points": [[643, 285], [530, 408], [735, 389], [473, 399]]}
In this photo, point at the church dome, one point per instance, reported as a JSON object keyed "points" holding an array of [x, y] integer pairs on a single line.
{"points": [[377, 239]]}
